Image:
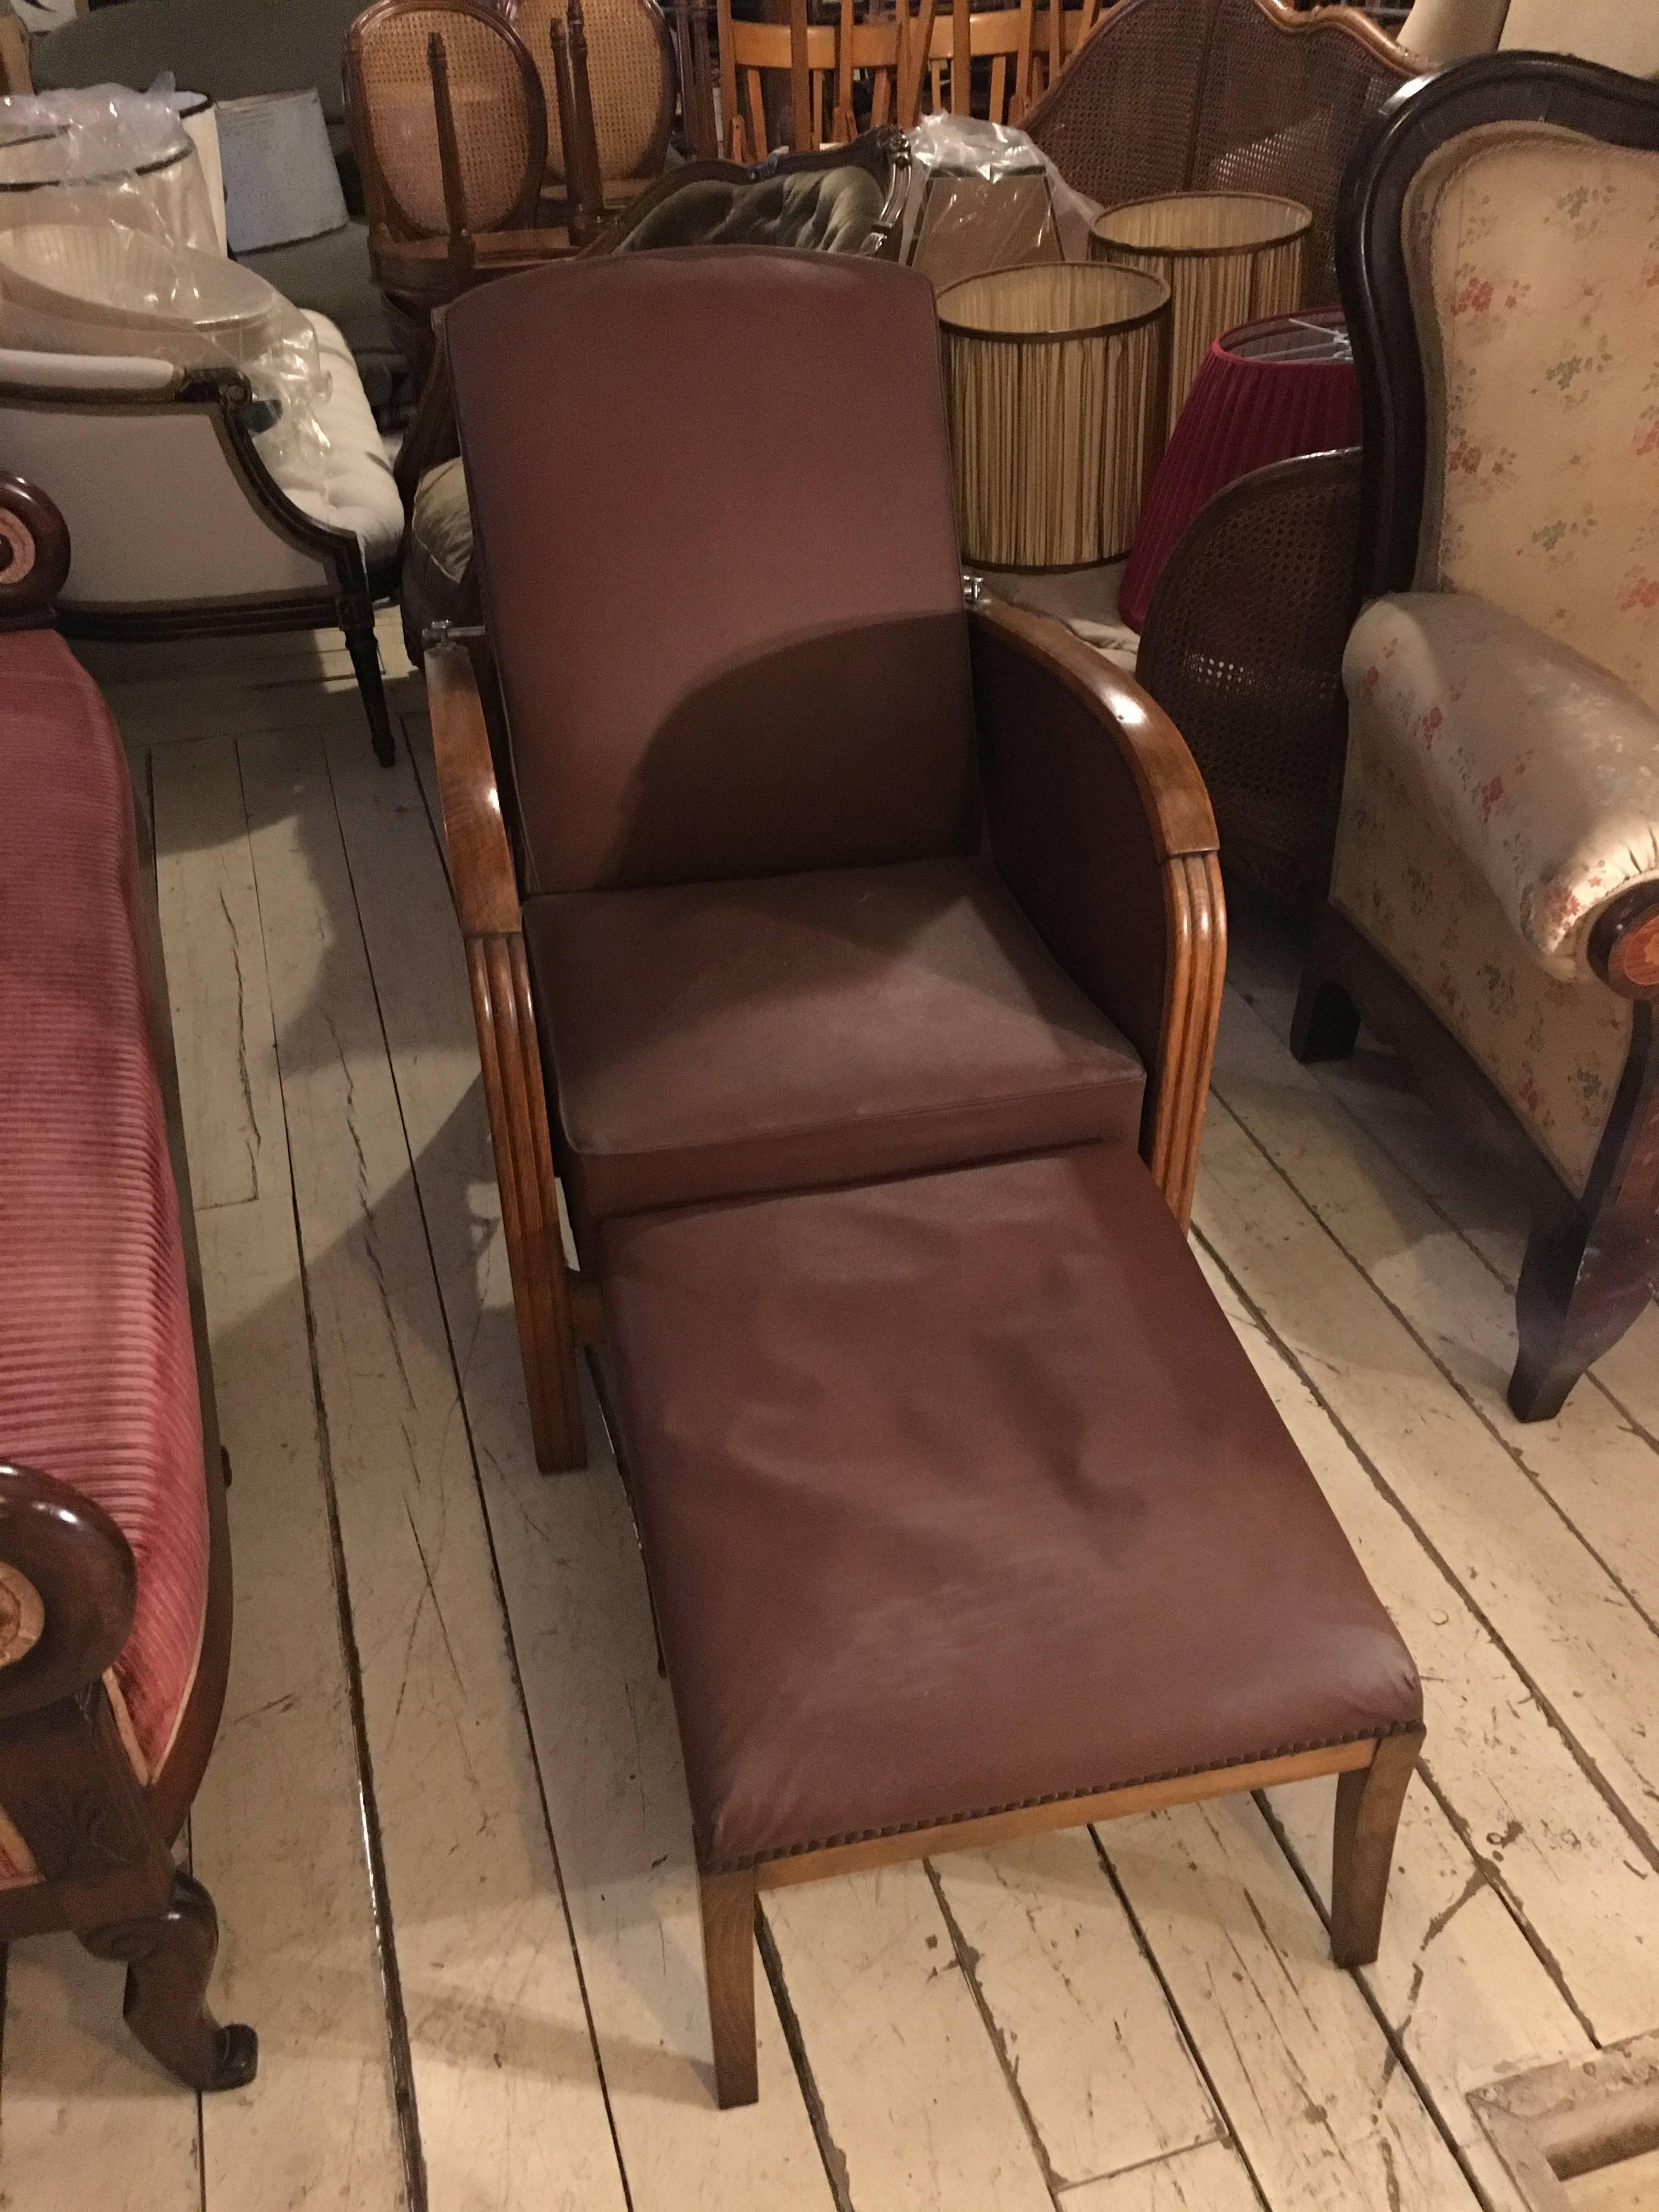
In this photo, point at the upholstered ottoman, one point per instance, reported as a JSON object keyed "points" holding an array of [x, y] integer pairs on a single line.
{"points": [[965, 1516]]}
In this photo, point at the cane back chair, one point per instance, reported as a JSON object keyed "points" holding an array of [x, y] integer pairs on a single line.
{"points": [[633, 87], [1221, 96], [449, 125], [1493, 908]]}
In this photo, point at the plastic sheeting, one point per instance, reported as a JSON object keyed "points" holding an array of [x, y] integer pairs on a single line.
{"points": [[108, 245], [984, 196]]}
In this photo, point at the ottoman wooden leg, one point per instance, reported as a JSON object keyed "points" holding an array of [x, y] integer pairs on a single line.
{"points": [[1368, 1802], [728, 1954]]}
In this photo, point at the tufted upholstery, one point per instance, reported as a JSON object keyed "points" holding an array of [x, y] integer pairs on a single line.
{"points": [[98, 1380], [1534, 257], [358, 492], [826, 210]]}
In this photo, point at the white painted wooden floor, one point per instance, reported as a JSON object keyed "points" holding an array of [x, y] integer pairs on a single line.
{"points": [[445, 1823]]}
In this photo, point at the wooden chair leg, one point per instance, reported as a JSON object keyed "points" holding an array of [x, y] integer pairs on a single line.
{"points": [[168, 1959], [1326, 1022], [1581, 1288], [1368, 1802], [364, 648], [728, 1954]]}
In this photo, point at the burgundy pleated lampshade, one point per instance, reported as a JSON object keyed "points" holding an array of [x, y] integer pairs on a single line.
{"points": [[1268, 392]]}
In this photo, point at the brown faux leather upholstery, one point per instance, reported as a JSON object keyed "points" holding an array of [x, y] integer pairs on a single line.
{"points": [[958, 1492], [775, 690], [709, 1040]]}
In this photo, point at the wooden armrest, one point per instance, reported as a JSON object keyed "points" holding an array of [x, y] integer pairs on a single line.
{"points": [[1102, 828], [68, 1586], [480, 857], [1178, 816]]}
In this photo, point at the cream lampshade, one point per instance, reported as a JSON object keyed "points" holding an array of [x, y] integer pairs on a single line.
{"points": [[1055, 381], [1228, 258]]}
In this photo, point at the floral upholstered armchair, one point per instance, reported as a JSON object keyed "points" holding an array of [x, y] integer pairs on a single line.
{"points": [[1493, 907]]}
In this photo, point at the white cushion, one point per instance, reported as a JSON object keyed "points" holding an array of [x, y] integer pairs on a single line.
{"points": [[358, 492]]}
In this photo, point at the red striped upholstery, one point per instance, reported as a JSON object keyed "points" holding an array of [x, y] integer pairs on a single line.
{"points": [[97, 1367]]}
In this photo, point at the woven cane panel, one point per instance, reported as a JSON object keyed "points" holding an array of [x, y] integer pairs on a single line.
{"points": [[628, 77], [1242, 649], [492, 121], [1053, 435], [1282, 112], [1227, 258], [1120, 124]]}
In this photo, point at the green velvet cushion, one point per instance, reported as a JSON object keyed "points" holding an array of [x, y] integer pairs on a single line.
{"points": [[439, 583], [827, 210]]}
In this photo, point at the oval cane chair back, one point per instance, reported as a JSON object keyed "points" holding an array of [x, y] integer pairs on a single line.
{"points": [[495, 93], [631, 72]]}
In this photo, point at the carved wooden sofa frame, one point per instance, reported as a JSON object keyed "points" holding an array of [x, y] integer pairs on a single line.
{"points": [[100, 1840]]}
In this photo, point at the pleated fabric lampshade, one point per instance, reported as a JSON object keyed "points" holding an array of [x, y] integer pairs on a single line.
{"points": [[1056, 379], [1228, 258]]}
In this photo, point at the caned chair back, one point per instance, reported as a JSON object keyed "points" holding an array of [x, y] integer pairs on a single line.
{"points": [[497, 153], [1221, 96], [631, 74]]}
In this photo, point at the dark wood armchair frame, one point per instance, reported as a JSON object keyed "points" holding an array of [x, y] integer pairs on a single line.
{"points": [[226, 397], [1139, 921], [1593, 1260], [101, 1839]]}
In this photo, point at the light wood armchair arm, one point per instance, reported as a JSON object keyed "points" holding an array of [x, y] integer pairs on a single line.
{"points": [[553, 1305], [1102, 828]]}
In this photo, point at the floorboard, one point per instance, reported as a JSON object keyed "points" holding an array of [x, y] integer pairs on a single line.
{"points": [[446, 1821]]}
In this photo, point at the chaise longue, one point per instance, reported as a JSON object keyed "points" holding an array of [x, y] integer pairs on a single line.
{"points": [[849, 956]]}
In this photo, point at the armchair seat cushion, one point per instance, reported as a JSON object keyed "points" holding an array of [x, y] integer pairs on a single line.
{"points": [[709, 1041], [1540, 768]]}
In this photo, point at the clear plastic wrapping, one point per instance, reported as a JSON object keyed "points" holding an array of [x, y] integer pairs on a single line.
{"points": [[108, 245], [984, 196]]}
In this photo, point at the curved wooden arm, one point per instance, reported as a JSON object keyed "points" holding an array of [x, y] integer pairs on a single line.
{"points": [[480, 857], [551, 1305], [68, 1586], [1178, 811], [1102, 828]]}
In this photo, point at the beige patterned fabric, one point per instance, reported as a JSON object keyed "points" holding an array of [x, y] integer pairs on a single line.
{"points": [[1554, 1049], [1534, 254], [1541, 769]]}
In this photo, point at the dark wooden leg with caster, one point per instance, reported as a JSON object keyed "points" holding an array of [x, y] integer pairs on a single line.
{"points": [[1326, 1023], [168, 1958], [728, 1954], [1368, 1802]]}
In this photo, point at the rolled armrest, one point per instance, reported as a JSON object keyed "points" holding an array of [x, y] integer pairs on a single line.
{"points": [[1541, 766], [68, 1586], [1101, 827]]}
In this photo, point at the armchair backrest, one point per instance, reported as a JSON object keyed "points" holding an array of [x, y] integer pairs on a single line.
{"points": [[1218, 95], [1507, 338], [712, 503]]}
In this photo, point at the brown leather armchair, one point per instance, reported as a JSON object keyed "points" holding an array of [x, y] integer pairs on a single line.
{"points": [[778, 866]]}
